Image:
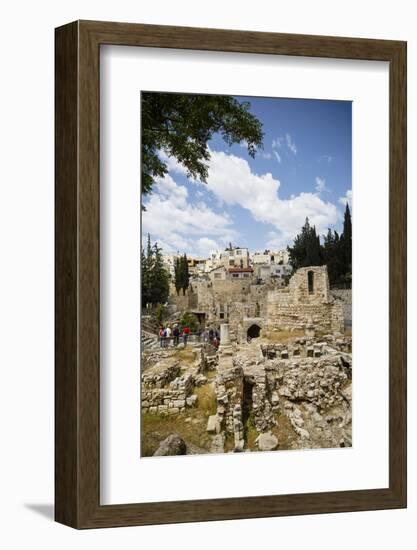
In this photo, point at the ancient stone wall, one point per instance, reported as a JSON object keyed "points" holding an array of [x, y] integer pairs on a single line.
{"points": [[317, 381], [310, 285], [344, 297], [306, 301], [230, 301], [307, 347], [165, 387], [170, 399], [229, 388]]}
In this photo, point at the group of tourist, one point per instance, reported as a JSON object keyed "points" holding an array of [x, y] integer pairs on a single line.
{"points": [[211, 336], [175, 333]]}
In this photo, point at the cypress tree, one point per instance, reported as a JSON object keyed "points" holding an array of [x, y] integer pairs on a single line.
{"points": [[336, 251], [147, 265], [306, 250], [185, 275], [159, 277], [346, 241], [178, 274], [155, 277]]}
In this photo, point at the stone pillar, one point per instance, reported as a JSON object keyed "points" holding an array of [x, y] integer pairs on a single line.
{"points": [[310, 331], [225, 348], [224, 334], [238, 428]]}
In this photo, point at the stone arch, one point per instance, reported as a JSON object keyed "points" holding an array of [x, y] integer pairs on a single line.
{"points": [[254, 331]]}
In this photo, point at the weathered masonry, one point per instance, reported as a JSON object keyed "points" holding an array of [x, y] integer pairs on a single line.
{"points": [[253, 310], [305, 303]]}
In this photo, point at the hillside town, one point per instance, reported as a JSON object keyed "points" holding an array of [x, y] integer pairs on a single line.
{"points": [[237, 263], [231, 262]]}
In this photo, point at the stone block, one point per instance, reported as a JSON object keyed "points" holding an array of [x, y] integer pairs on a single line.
{"points": [[191, 401], [267, 442], [213, 424]]}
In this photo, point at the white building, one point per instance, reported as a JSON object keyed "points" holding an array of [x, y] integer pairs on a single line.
{"points": [[218, 273], [273, 271], [232, 257], [270, 257], [169, 261], [240, 273]]}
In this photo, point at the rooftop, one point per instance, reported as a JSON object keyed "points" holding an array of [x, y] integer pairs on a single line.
{"points": [[240, 270]]}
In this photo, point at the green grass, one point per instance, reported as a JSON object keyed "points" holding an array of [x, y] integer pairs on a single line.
{"points": [[251, 434], [229, 443], [206, 399], [284, 432], [186, 355], [156, 427], [282, 336], [210, 374]]}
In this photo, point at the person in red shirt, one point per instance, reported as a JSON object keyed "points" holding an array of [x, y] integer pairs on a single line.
{"points": [[185, 333], [161, 337]]}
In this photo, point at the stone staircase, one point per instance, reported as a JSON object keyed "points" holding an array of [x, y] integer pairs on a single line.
{"points": [[149, 340]]}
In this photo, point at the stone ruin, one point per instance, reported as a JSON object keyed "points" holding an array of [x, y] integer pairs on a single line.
{"points": [[306, 380], [299, 387], [310, 389], [307, 303]]}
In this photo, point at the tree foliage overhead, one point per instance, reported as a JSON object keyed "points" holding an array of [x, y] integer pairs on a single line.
{"points": [[183, 124], [155, 277], [335, 252], [181, 274]]}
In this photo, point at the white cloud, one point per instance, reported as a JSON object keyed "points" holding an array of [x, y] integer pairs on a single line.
{"points": [[276, 241], [277, 143], [172, 163], [321, 185], [232, 181], [325, 158], [347, 198], [290, 144], [196, 228], [266, 156], [205, 245], [277, 156], [179, 225]]}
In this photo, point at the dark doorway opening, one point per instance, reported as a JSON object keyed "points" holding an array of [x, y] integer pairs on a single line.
{"points": [[254, 331], [310, 275], [201, 318], [247, 405]]}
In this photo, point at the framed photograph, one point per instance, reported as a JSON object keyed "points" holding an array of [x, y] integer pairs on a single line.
{"points": [[230, 274]]}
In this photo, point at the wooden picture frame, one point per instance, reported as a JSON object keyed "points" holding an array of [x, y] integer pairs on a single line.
{"points": [[77, 372]]}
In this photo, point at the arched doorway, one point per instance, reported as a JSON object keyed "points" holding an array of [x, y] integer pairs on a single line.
{"points": [[254, 331]]}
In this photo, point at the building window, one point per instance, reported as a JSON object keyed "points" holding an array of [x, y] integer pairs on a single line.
{"points": [[231, 262], [235, 275], [310, 276], [246, 274], [217, 275]]}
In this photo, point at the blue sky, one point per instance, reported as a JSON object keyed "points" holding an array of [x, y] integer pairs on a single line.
{"points": [[305, 169]]}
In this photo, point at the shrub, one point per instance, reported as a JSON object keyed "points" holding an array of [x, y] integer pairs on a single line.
{"points": [[190, 320]]}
